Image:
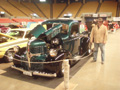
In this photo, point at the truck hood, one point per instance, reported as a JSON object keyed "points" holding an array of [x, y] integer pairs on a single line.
{"points": [[37, 42], [37, 31], [40, 30]]}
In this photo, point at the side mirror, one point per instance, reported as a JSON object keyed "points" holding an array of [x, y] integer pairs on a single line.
{"points": [[72, 36], [85, 32]]}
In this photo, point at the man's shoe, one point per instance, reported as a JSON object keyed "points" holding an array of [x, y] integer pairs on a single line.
{"points": [[102, 62]]}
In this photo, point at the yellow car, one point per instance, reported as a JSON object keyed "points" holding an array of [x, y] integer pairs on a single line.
{"points": [[14, 38]]}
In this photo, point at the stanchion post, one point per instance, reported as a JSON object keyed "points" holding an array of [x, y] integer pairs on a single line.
{"points": [[66, 73]]}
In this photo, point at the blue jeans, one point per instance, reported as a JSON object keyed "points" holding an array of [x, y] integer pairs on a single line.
{"points": [[102, 48]]}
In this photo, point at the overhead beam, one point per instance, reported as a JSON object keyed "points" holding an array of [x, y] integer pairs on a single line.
{"points": [[101, 1], [84, 1]]}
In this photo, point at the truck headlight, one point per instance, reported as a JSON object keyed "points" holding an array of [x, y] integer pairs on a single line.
{"points": [[16, 49], [53, 52], [55, 41]]}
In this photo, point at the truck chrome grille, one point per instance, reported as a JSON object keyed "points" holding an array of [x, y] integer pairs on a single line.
{"points": [[38, 49]]}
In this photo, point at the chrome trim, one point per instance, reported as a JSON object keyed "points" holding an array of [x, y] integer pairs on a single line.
{"points": [[44, 74], [37, 54], [34, 72], [73, 39], [20, 69], [28, 55]]}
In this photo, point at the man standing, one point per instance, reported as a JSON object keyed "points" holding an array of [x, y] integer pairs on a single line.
{"points": [[99, 37]]}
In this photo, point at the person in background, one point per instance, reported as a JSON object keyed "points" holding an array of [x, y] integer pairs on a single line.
{"points": [[98, 36], [106, 23]]}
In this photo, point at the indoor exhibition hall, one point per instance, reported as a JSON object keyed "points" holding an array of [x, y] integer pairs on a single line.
{"points": [[59, 44]]}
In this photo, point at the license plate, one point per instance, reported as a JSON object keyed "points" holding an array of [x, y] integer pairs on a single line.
{"points": [[27, 73]]}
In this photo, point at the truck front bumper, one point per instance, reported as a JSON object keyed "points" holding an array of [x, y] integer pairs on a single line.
{"points": [[31, 73]]}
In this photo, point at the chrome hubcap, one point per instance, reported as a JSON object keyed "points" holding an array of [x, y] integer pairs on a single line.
{"points": [[89, 50], [10, 56]]}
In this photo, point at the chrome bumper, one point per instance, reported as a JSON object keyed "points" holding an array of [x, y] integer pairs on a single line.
{"points": [[30, 73]]}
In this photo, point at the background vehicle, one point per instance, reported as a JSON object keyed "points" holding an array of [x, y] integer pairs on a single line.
{"points": [[15, 37], [5, 38], [4, 29], [113, 26], [60, 40]]}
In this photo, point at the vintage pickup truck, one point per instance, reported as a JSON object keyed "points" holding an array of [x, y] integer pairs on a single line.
{"points": [[58, 40]]}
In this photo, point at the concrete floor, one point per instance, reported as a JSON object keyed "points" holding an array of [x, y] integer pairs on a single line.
{"points": [[95, 76], [85, 75]]}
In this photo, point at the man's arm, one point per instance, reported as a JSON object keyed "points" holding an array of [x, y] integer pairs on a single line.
{"points": [[91, 36], [105, 35]]}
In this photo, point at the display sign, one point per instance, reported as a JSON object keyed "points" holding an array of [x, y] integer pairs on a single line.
{"points": [[103, 15], [88, 15], [95, 15], [116, 18]]}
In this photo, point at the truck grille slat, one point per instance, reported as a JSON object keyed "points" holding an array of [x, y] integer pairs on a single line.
{"points": [[38, 49]]}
